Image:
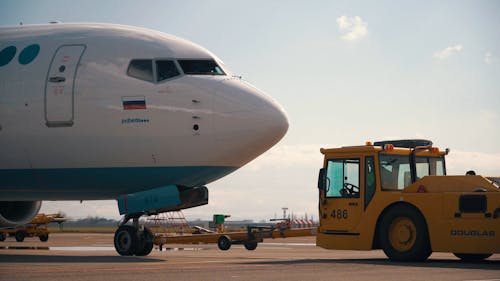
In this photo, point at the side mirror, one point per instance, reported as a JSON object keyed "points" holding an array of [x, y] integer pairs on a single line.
{"points": [[322, 179]]}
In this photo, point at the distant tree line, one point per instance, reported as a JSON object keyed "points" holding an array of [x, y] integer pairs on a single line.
{"points": [[91, 221]]}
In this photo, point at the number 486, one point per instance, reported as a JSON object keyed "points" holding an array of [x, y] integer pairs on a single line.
{"points": [[339, 214]]}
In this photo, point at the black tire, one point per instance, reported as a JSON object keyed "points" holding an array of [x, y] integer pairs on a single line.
{"points": [[403, 234], [20, 235], [224, 242], [126, 240], [44, 237], [2, 237], [472, 257], [251, 245], [145, 244]]}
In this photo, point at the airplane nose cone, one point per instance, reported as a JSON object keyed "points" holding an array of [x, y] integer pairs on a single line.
{"points": [[278, 121], [269, 122], [247, 122]]}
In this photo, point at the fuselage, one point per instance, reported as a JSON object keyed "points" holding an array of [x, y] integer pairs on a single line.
{"points": [[94, 111]]}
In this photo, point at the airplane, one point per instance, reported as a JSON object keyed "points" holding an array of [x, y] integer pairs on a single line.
{"points": [[103, 111]]}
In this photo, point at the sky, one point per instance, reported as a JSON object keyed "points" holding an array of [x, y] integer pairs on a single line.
{"points": [[346, 72]]}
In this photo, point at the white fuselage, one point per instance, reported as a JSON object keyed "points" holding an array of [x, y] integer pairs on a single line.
{"points": [[66, 132]]}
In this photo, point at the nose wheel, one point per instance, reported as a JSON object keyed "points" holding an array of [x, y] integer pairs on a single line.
{"points": [[132, 240], [126, 240]]}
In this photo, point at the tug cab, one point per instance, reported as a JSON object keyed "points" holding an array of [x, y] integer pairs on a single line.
{"points": [[396, 196]]}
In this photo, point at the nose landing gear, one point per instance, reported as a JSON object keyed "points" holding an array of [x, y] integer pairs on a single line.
{"points": [[133, 239]]}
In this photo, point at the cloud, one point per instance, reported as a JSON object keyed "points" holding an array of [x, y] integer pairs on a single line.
{"points": [[489, 58], [485, 164], [352, 28], [286, 156], [448, 51]]}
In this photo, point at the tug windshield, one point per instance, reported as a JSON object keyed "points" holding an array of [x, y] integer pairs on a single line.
{"points": [[395, 170]]}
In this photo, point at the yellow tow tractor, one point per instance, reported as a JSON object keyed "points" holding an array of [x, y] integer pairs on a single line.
{"points": [[38, 226], [396, 196]]}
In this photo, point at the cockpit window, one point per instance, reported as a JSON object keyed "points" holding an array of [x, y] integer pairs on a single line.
{"points": [[165, 69], [141, 69], [201, 67]]}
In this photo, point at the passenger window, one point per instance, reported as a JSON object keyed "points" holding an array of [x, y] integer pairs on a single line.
{"points": [[343, 178], [370, 179], [7, 54], [141, 69], [166, 69]]}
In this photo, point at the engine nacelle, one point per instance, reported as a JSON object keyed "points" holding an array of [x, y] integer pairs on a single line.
{"points": [[13, 213]]}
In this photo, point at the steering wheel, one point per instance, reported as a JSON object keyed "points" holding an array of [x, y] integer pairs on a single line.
{"points": [[349, 189]]}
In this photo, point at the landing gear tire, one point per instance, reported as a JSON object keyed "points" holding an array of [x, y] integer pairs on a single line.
{"points": [[251, 245], [2, 236], [20, 235], [224, 242], [403, 235], [44, 237], [472, 257], [145, 243], [126, 240]]}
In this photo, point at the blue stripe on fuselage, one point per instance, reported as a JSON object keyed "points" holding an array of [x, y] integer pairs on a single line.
{"points": [[99, 183]]}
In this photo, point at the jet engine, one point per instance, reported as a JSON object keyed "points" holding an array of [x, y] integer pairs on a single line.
{"points": [[13, 213]]}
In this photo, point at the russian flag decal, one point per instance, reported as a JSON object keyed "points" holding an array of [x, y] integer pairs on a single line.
{"points": [[134, 102]]}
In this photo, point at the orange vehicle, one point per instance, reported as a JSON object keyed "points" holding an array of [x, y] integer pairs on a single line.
{"points": [[38, 227], [396, 196]]}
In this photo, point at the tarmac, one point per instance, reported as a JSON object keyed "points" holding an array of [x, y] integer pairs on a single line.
{"points": [[72, 256]]}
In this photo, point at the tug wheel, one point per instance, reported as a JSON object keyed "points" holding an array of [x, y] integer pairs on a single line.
{"points": [[224, 242], [404, 235], [44, 237], [20, 235], [251, 245]]}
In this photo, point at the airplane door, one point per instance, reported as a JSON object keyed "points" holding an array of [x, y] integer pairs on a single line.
{"points": [[60, 86]]}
